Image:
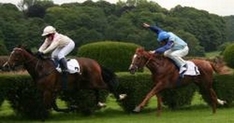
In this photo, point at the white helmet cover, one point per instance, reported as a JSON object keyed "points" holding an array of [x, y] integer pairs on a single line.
{"points": [[48, 30]]}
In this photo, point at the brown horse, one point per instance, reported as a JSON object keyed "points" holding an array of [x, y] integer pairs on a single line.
{"points": [[165, 75], [50, 81]]}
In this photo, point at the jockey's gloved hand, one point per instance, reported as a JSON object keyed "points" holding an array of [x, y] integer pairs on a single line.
{"points": [[40, 54]]}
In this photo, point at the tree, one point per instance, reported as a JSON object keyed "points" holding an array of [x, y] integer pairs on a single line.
{"points": [[35, 11]]}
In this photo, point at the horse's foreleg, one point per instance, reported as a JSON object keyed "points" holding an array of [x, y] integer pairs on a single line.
{"points": [[47, 99], [56, 108], [148, 96]]}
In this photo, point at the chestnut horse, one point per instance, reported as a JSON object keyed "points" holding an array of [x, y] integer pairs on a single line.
{"points": [[165, 75], [50, 81]]}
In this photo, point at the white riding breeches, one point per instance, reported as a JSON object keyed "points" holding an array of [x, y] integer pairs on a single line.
{"points": [[176, 55], [61, 52]]}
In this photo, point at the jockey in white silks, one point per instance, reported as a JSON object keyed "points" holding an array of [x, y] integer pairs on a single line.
{"points": [[60, 44]]}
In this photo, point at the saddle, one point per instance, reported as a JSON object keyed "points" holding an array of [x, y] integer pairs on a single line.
{"points": [[72, 65], [192, 69]]}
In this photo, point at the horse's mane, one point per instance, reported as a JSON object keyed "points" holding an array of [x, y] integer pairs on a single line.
{"points": [[26, 49], [156, 56], [33, 54]]}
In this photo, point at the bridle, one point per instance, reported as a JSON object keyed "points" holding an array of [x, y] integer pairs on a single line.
{"points": [[147, 62], [31, 60]]}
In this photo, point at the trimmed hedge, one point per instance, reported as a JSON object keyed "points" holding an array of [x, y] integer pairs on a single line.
{"points": [[26, 100], [228, 55], [138, 85], [224, 87], [114, 55], [23, 97]]}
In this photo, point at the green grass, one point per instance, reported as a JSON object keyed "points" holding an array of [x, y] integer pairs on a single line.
{"points": [[199, 112]]}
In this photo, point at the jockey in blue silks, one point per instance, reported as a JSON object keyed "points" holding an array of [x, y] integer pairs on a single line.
{"points": [[172, 47]]}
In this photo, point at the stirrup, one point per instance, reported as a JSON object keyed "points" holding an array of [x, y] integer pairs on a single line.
{"points": [[65, 71]]}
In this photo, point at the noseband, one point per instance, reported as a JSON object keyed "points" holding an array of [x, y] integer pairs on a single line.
{"points": [[147, 62]]}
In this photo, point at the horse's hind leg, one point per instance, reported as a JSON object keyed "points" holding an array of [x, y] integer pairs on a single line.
{"points": [[98, 102], [214, 99]]}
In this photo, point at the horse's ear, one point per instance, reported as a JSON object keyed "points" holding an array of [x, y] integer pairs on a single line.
{"points": [[21, 46], [140, 49]]}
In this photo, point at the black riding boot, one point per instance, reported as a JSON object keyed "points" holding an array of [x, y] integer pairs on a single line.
{"points": [[63, 63]]}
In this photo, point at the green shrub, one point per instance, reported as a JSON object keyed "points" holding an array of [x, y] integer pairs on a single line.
{"points": [[24, 97], [138, 85], [178, 97], [84, 100], [113, 55], [228, 55], [27, 101], [224, 87]]}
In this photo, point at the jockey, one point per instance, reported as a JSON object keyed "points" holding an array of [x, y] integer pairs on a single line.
{"points": [[59, 43], [172, 47]]}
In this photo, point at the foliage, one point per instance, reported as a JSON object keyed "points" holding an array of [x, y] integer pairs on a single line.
{"points": [[228, 55], [90, 21], [84, 100], [113, 55], [230, 27], [138, 85], [26, 100], [203, 25], [223, 86], [179, 97]]}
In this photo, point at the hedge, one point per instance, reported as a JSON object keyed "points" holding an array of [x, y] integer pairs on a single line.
{"points": [[26, 100], [228, 55], [114, 55]]}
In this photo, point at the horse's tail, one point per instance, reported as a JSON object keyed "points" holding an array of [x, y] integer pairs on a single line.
{"points": [[215, 69], [222, 70], [110, 79]]}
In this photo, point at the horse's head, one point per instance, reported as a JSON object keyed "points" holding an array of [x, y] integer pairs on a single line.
{"points": [[139, 59], [16, 58]]}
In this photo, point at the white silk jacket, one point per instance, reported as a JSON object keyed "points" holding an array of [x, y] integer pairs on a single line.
{"points": [[58, 41]]}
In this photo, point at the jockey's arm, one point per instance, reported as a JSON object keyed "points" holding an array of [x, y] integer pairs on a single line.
{"points": [[165, 47], [52, 46], [155, 29]]}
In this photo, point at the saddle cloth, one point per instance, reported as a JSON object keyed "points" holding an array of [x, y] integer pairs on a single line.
{"points": [[72, 65], [192, 69]]}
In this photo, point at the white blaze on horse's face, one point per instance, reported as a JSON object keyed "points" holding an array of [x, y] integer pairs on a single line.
{"points": [[133, 59], [133, 67], [13, 58]]}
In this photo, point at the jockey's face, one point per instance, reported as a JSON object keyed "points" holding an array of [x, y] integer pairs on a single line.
{"points": [[164, 42], [50, 36]]}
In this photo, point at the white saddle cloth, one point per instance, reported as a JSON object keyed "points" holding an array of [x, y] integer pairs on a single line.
{"points": [[192, 69], [72, 65]]}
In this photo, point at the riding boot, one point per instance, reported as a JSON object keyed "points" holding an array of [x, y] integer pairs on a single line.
{"points": [[63, 63], [183, 69]]}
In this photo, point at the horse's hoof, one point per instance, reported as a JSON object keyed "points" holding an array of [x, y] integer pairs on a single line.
{"points": [[137, 110], [122, 96], [101, 105]]}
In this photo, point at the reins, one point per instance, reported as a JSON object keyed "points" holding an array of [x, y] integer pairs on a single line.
{"points": [[147, 62], [36, 66]]}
